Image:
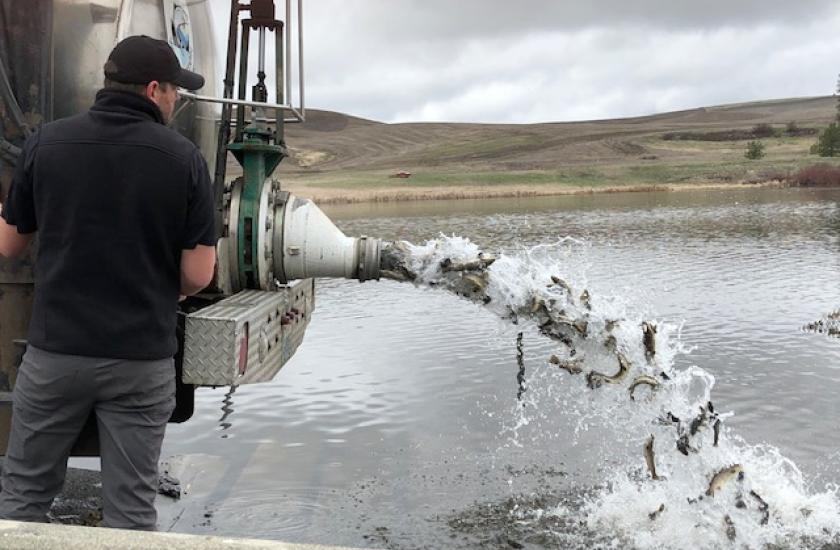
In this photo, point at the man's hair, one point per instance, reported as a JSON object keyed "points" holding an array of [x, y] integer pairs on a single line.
{"points": [[139, 89]]}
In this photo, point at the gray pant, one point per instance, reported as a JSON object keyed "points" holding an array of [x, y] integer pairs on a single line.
{"points": [[53, 397]]}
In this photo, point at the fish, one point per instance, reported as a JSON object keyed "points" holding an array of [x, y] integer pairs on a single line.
{"points": [[655, 514], [480, 263], [585, 300], [684, 446], [716, 428], [561, 319], [649, 339], [572, 366], [557, 316], [610, 324], [698, 422], [557, 281], [393, 275], [670, 418], [595, 379], [477, 282], [722, 477], [730, 528], [581, 326], [763, 507], [650, 459], [611, 343], [393, 261], [623, 363], [643, 380], [486, 259]]}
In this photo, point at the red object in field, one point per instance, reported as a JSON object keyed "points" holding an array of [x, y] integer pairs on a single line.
{"points": [[400, 175]]}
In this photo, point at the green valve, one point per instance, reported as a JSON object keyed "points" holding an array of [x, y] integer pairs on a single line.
{"points": [[258, 158]]}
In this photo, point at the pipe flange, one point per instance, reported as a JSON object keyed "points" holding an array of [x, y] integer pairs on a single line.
{"points": [[233, 234], [281, 198], [368, 258], [265, 241]]}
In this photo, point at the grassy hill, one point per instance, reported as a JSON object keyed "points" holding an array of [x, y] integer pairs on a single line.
{"points": [[336, 157]]}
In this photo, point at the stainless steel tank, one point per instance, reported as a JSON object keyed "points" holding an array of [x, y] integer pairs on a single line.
{"points": [[84, 32]]}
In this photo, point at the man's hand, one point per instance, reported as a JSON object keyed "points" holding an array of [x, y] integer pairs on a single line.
{"points": [[12, 243]]}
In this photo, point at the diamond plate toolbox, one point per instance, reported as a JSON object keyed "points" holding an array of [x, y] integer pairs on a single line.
{"points": [[247, 337]]}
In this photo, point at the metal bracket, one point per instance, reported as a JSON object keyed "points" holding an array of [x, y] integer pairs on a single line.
{"points": [[298, 114]]}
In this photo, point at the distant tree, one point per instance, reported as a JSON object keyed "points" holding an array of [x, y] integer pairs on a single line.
{"points": [[755, 150], [763, 130], [837, 115], [828, 144]]}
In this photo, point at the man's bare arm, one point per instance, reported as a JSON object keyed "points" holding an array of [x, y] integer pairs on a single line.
{"points": [[197, 266], [12, 243]]}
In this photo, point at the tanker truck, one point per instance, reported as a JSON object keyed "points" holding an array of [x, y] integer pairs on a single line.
{"points": [[271, 245]]}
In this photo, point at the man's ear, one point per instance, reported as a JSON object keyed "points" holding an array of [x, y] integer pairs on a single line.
{"points": [[151, 88]]}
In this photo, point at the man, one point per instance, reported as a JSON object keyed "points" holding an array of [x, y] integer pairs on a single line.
{"points": [[123, 209]]}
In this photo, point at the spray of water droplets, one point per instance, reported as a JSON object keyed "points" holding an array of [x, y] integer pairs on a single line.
{"points": [[677, 473]]}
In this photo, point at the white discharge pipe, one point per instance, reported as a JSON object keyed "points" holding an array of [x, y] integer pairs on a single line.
{"points": [[310, 245]]}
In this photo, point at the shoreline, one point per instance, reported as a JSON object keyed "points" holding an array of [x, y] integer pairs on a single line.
{"points": [[339, 196]]}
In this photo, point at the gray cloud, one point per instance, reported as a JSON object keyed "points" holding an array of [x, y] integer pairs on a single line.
{"points": [[432, 19], [495, 61]]}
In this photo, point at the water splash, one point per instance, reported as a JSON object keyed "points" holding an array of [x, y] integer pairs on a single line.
{"points": [[611, 353], [828, 324]]}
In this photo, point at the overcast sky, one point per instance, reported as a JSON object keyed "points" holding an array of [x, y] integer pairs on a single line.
{"points": [[535, 61]]}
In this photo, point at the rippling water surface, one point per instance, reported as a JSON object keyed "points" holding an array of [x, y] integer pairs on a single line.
{"points": [[397, 423]]}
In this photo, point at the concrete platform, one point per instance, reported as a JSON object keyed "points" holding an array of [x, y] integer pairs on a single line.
{"points": [[15, 535]]}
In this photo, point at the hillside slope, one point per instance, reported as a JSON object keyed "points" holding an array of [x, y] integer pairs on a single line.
{"points": [[348, 155]]}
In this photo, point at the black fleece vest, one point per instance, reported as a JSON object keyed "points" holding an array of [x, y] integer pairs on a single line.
{"points": [[115, 196]]}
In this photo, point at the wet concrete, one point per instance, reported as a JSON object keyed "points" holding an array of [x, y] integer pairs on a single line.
{"points": [[45, 536]]}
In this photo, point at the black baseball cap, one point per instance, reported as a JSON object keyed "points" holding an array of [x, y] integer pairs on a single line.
{"points": [[142, 59]]}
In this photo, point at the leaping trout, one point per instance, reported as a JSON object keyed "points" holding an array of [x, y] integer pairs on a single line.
{"points": [[643, 380], [572, 366], [723, 477], [650, 458], [595, 379]]}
